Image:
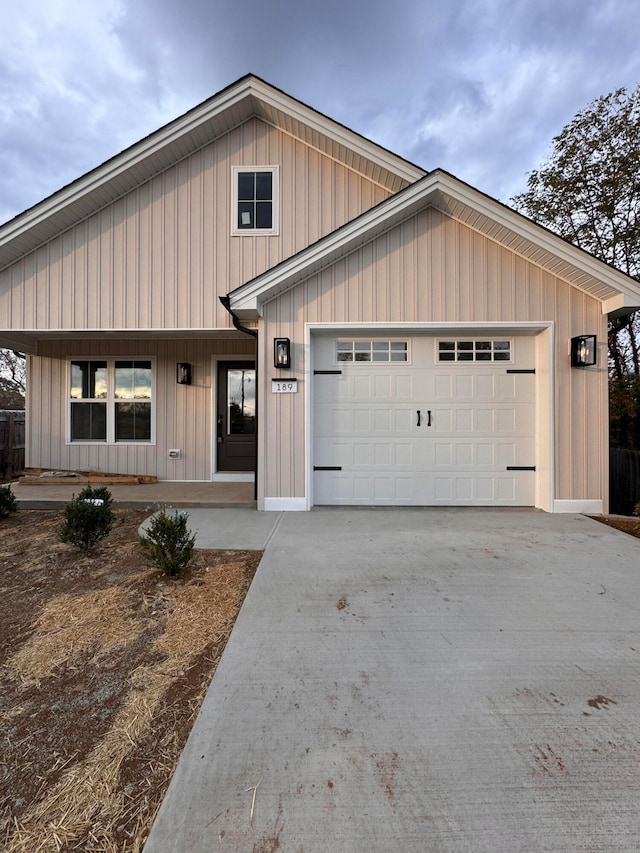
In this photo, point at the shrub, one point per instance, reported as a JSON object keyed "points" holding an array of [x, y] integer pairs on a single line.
{"points": [[170, 540], [87, 518], [8, 502]]}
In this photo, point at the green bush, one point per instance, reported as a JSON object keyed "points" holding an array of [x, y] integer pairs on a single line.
{"points": [[87, 518], [8, 502], [170, 540], [636, 510]]}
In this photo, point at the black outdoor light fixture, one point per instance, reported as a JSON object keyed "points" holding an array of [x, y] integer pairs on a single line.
{"points": [[183, 373], [282, 353], [583, 351]]}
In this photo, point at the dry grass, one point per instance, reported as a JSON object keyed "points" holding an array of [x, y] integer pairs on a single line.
{"points": [[141, 649]]}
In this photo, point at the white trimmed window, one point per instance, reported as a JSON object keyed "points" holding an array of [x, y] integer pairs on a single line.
{"points": [[474, 350], [255, 200], [111, 401], [382, 351]]}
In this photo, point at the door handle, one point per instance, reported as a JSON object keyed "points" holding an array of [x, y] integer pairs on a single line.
{"points": [[429, 417], [220, 422], [419, 418]]}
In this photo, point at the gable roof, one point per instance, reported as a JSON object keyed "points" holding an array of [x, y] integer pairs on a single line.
{"points": [[247, 98], [617, 292]]}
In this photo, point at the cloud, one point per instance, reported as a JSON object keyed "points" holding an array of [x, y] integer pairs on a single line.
{"points": [[478, 87]]}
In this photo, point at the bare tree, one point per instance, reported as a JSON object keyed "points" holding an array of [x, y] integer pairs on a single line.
{"points": [[13, 379], [589, 193]]}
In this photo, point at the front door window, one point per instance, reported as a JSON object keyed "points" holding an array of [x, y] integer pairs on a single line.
{"points": [[241, 401]]}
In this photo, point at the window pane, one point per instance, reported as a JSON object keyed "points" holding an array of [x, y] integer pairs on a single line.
{"points": [[133, 421], [88, 422], [263, 214], [381, 346], [501, 344], [399, 346], [447, 356], [501, 356], [483, 345], [246, 214], [363, 356], [483, 356], [345, 356], [362, 346], [88, 380], [465, 345], [344, 345], [398, 356], [446, 345], [142, 380], [263, 186], [465, 356], [381, 356], [133, 380], [241, 394], [246, 186]]}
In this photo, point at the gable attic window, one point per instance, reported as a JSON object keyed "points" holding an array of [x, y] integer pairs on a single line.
{"points": [[111, 401], [255, 200]]}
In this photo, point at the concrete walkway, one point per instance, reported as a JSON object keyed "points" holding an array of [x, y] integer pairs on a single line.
{"points": [[422, 680]]}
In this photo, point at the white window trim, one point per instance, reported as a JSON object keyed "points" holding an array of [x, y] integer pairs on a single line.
{"points": [[275, 201], [110, 401]]}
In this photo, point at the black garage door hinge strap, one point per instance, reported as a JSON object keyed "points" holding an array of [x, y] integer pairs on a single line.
{"points": [[532, 370], [521, 467], [327, 467], [327, 373]]}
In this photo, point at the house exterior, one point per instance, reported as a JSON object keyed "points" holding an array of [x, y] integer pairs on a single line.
{"points": [[428, 326]]}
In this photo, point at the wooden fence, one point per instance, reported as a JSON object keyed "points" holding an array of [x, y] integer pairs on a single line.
{"points": [[11, 443], [624, 481]]}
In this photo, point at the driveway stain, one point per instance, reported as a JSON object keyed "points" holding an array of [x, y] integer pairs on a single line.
{"points": [[599, 702]]}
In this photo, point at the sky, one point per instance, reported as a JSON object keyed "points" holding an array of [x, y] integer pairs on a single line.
{"points": [[476, 87]]}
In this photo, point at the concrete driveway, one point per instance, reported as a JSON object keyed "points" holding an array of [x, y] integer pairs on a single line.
{"points": [[422, 680]]}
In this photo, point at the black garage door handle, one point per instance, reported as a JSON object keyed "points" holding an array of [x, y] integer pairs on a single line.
{"points": [[419, 418], [429, 418]]}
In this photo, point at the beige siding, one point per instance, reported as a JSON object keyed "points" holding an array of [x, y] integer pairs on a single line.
{"points": [[437, 270], [160, 256], [183, 413]]}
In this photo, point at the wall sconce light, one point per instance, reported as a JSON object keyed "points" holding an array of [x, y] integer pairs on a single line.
{"points": [[183, 373], [583, 351], [282, 353]]}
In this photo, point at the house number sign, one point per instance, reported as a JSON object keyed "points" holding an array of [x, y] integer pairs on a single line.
{"points": [[284, 386]]}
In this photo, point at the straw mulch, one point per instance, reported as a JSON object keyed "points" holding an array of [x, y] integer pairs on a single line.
{"points": [[104, 664]]}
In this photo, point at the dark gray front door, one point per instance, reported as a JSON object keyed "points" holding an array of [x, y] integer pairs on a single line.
{"points": [[236, 426]]}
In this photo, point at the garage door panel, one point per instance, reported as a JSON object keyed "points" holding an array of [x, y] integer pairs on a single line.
{"points": [[482, 421]]}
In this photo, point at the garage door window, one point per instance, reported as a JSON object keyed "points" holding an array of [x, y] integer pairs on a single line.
{"points": [[372, 351], [481, 350]]}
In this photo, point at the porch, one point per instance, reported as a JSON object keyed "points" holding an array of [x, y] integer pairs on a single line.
{"points": [[171, 494]]}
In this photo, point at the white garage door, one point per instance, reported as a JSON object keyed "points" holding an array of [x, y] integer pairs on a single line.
{"points": [[424, 421]]}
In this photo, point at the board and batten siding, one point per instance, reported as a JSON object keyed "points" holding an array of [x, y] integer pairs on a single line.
{"points": [[183, 412], [434, 269], [160, 256]]}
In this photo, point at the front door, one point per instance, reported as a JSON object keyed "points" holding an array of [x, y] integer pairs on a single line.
{"points": [[236, 418]]}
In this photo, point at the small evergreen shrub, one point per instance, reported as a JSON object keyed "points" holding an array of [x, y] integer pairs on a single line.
{"points": [[8, 502], [87, 518], [170, 540]]}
